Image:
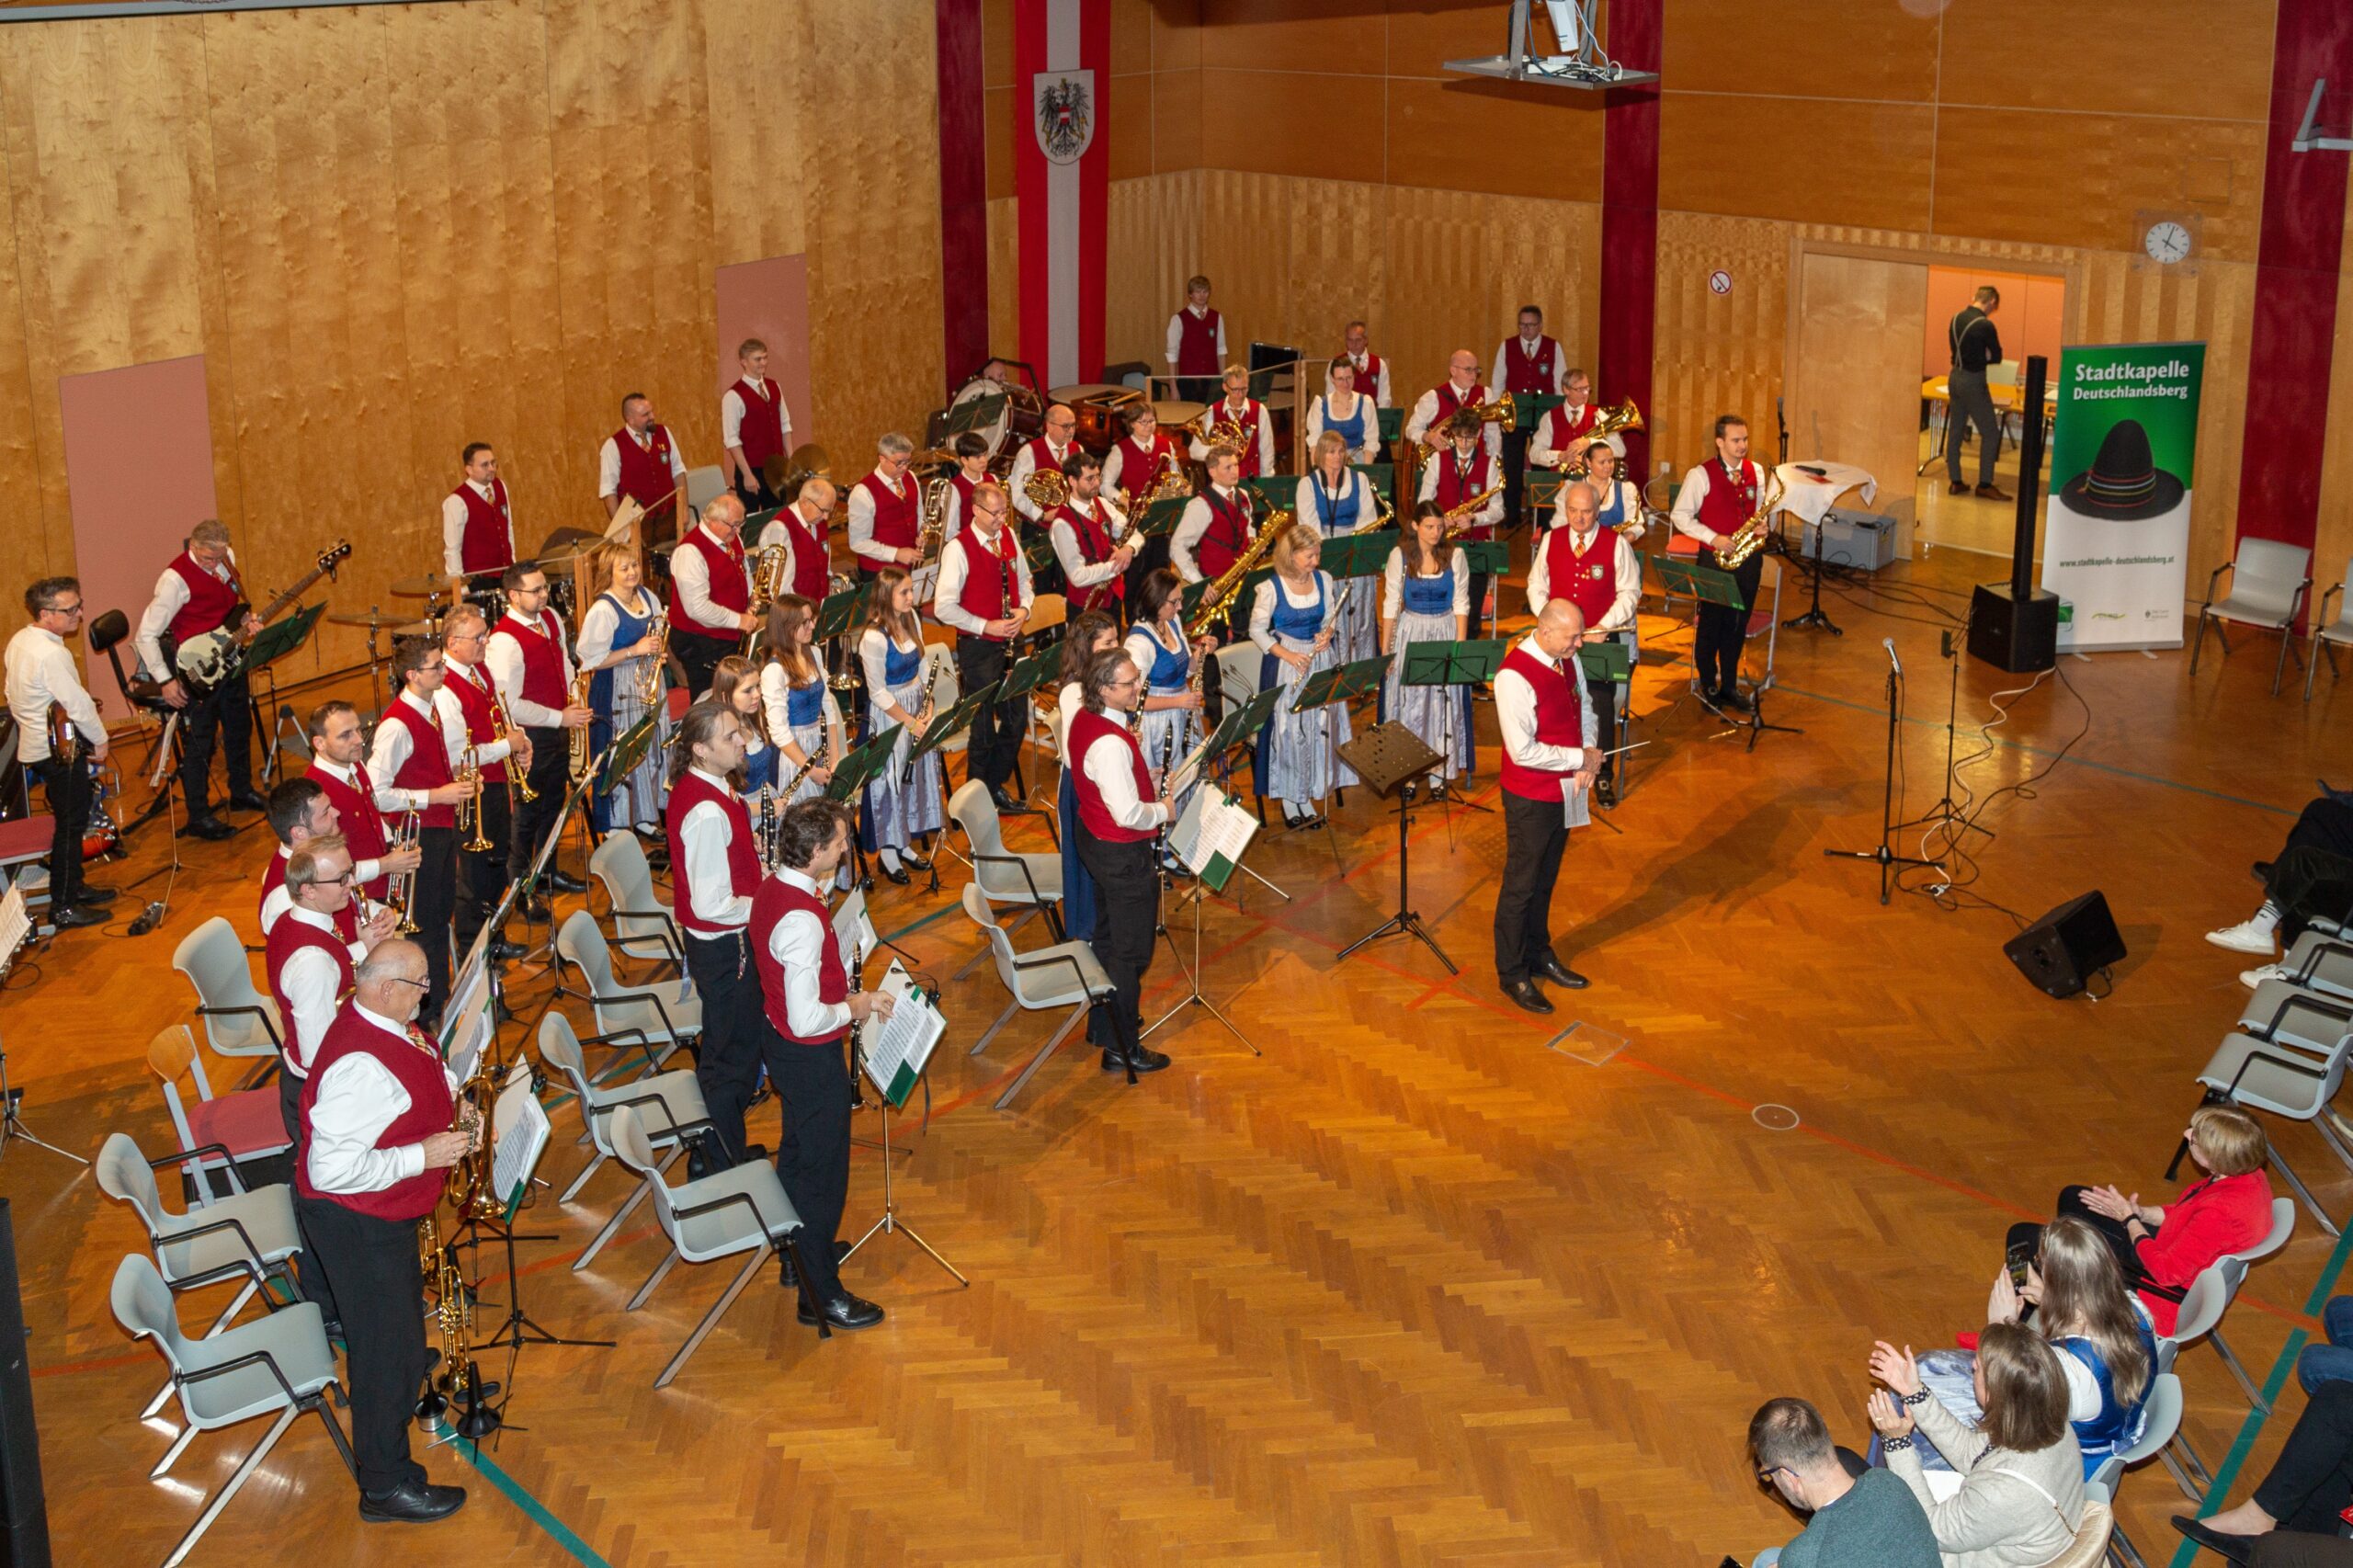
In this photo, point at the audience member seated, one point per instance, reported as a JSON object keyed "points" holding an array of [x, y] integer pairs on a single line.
{"points": [[2333, 1362], [1866, 1520], [2160, 1250], [2021, 1494], [2075, 1295], [2307, 1487], [2312, 874]]}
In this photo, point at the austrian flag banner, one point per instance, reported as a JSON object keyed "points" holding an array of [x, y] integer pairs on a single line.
{"points": [[1062, 75]]}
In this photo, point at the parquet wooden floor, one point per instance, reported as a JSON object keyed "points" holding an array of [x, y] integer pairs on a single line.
{"points": [[1409, 1289]]}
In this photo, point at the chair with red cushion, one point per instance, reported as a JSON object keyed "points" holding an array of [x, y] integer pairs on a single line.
{"points": [[220, 1129]]}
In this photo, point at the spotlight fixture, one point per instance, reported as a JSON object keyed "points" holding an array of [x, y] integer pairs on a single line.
{"points": [[1581, 64]]}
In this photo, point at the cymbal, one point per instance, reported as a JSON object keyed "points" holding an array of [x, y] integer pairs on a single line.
{"points": [[421, 587], [373, 619], [931, 455], [417, 629]]}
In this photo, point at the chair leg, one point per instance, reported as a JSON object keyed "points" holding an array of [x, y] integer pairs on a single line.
{"points": [[2253, 1394], [669, 1261], [760, 1255], [179, 1446], [2312, 664], [2120, 1548], [1038, 1061], [1012, 1006], [2181, 1477], [581, 1179], [2293, 1180], [220, 1499], [335, 1429], [2325, 1121], [2197, 1466], [2279, 667], [2197, 646], [613, 1225]]}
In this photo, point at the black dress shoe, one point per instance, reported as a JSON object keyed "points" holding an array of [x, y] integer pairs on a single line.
{"points": [[93, 893], [206, 826], [657, 858], [1146, 1059], [1558, 974], [419, 1502], [503, 952], [248, 801], [896, 873], [563, 881], [80, 915], [1526, 993], [790, 1277], [1006, 799], [2237, 1547], [913, 862], [534, 911], [843, 1310]]}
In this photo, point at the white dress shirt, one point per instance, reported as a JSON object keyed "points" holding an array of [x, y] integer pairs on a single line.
{"points": [[1540, 455], [171, 597], [704, 835], [944, 605], [1317, 417], [1076, 570], [1425, 415], [862, 542], [389, 751], [797, 945], [952, 515], [1392, 584], [691, 575], [40, 671], [1490, 514], [730, 416], [1379, 394], [453, 526], [355, 1101], [1067, 702], [780, 532], [1497, 377], [1696, 483], [774, 689], [308, 978], [1176, 334], [1265, 435], [1111, 768], [503, 657], [1025, 463], [386, 798], [874, 646], [1307, 508], [608, 461], [1192, 527], [1620, 617], [1516, 717], [454, 733]]}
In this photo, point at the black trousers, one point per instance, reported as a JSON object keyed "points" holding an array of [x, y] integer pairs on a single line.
{"points": [[550, 774], [67, 786], [699, 657], [1127, 915], [227, 712], [1534, 840], [1715, 648], [433, 909], [997, 729], [2312, 1480], [2027, 1235], [484, 870], [727, 1058], [373, 1265], [757, 497], [1479, 584], [814, 1094], [2307, 882], [308, 1272]]}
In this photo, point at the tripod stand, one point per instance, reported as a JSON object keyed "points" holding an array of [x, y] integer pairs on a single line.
{"points": [[1388, 757], [890, 1224], [1947, 814], [1198, 893], [1889, 863], [1813, 615], [12, 1125]]}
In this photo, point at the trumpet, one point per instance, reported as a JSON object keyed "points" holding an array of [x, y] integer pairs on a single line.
{"points": [[579, 771], [1749, 538], [519, 777], [469, 813], [1607, 421], [649, 686], [400, 890]]}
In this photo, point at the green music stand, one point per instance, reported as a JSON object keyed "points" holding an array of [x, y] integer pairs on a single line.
{"points": [[1357, 555], [1713, 584], [840, 611], [1466, 663], [1038, 548], [863, 763], [1540, 492], [1341, 683], [1393, 422], [1530, 407], [1027, 675], [623, 755], [1272, 492], [1161, 518], [945, 727], [1492, 556], [755, 522], [1610, 660], [1190, 597], [271, 643]]}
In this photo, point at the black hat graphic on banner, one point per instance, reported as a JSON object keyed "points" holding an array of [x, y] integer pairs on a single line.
{"points": [[2124, 483]]}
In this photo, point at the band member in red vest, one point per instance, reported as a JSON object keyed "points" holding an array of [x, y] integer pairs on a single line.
{"points": [[1142, 457], [1217, 525], [1088, 534], [40, 672], [198, 593], [339, 765], [803, 527], [1597, 569], [1525, 366], [754, 426], [1120, 815], [1372, 370], [715, 864], [1047, 451], [473, 719], [1462, 471], [1561, 433], [377, 1114], [1716, 498], [1460, 390], [477, 518], [886, 510], [1550, 760], [308, 958], [1237, 407], [810, 999], [642, 461], [984, 592], [410, 757], [531, 669], [971, 471], [1195, 344], [711, 591], [302, 811]]}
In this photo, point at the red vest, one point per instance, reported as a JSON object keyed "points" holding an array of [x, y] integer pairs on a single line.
{"points": [[431, 1108], [1523, 373], [1197, 342], [813, 559], [1228, 534], [1449, 404], [1560, 721], [361, 824], [543, 658], [777, 899], [287, 938], [427, 765], [1590, 583], [762, 430], [489, 540], [992, 578], [1094, 549], [273, 876], [1561, 433], [209, 601], [1086, 727], [645, 473], [1251, 408], [1138, 464], [964, 488], [898, 519], [1729, 501], [1043, 458], [743, 856], [1458, 484], [480, 706], [731, 586], [1367, 374]]}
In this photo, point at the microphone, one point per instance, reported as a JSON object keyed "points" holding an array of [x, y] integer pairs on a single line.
{"points": [[1893, 662], [148, 918]]}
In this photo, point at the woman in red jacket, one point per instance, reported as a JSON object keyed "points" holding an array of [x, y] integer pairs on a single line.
{"points": [[2160, 1250]]}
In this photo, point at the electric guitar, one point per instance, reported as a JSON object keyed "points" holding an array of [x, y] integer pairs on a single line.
{"points": [[211, 658]]}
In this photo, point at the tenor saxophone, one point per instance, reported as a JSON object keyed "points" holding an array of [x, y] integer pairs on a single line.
{"points": [[1219, 597], [1750, 537]]}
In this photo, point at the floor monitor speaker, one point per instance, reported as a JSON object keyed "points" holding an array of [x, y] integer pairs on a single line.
{"points": [[2060, 951]]}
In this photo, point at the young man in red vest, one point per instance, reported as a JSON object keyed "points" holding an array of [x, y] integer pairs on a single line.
{"points": [[971, 471], [1549, 732], [642, 461], [1525, 366], [886, 510], [377, 1116], [1598, 571], [531, 669], [200, 592], [1088, 536], [478, 519], [710, 593], [809, 999], [1119, 816], [1715, 499], [803, 527], [1195, 344], [472, 716], [1214, 533], [1462, 470], [410, 758], [984, 593], [754, 426]]}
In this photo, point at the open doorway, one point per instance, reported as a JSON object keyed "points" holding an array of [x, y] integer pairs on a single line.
{"points": [[2027, 320]]}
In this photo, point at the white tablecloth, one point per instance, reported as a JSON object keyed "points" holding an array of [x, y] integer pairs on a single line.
{"points": [[1807, 497]]}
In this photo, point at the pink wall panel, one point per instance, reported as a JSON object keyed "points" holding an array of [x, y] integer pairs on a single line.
{"points": [[769, 300]]}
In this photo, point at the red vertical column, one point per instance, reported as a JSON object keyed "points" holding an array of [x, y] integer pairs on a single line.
{"points": [[1629, 222], [963, 191], [2295, 285]]}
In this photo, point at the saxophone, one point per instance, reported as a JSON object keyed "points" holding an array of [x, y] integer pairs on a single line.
{"points": [[1459, 520], [467, 1188], [1219, 597], [579, 773], [1749, 538]]}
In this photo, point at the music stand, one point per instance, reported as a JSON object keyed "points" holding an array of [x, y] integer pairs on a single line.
{"points": [[623, 755], [1160, 518], [1713, 584], [1464, 664], [1351, 556], [1320, 689], [943, 728], [271, 643], [1389, 757], [837, 613], [863, 763], [1204, 800], [1612, 661]]}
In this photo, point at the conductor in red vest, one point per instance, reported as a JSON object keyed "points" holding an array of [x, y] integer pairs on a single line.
{"points": [[1714, 500], [810, 1000], [754, 428], [378, 1114], [642, 461], [200, 592], [478, 519], [1550, 760], [1119, 816]]}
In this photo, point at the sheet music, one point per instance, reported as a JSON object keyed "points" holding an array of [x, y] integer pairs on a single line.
{"points": [[1576, 810], [1212, 835], [895, 1049], [466, 1025], [15, 926], [853, 929], [519, 1130]]}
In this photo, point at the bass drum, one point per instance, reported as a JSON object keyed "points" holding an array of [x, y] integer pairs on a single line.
{"points": [[1002, 413]]}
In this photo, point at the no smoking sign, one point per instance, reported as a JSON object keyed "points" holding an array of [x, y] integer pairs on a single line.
{"points": [[1719, 281]]}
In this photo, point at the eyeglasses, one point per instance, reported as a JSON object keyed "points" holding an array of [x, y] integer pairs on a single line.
{"points": [[404, 980], [74, 608]]}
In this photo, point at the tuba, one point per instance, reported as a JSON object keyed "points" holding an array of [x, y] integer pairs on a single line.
{"points": [[1606, 422], [1750, 537]]}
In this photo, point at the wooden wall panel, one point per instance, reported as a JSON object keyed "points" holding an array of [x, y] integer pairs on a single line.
{"points": [[1339, 263], [1288, 122], [1005, 272], [2334, 542], [1471, 135], [1807, 49], [756, 53], [2156, 57], [1717, 353], [1347, 36], [1764, 158], [1154, 240]]}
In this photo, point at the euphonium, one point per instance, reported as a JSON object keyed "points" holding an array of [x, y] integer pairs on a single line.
{"points": [[580, 736], [1606, 422], [649, 686], [1219, 597], [1501, 411], [1750, 537]]}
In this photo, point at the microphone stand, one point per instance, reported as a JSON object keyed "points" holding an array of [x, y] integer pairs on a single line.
{"points": [[1889, 863]]}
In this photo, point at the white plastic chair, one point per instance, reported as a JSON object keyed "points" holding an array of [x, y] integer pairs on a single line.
{"points": [[279, 1364], [670, 1102], [2161, 1418], [215, 1131], [704, 486], [2268, 582], [2323, 962], [741, 1209], [239, 1019], [2330, 635], [1028, 882], [2254, 1073], [2283, 1011], [665, 1016], [643, 926], [1064, 975], [2233, 1267]]}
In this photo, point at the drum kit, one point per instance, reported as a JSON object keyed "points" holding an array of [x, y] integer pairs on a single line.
{"points": [[1006, 413]]}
